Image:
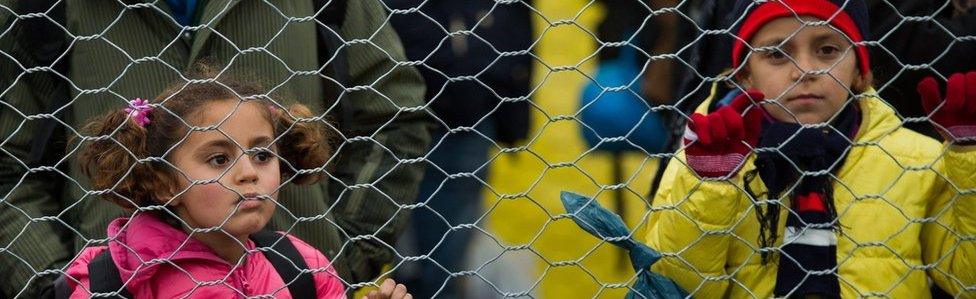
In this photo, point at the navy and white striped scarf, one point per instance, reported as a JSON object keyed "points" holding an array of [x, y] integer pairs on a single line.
{"points": [[799, 171]]}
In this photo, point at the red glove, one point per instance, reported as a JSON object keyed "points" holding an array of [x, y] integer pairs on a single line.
{"points": [[956, 117], [717, 144]]}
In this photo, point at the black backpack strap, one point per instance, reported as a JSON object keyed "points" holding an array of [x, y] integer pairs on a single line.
{"points": [[287, 262], [61, 290], [103, 276]]}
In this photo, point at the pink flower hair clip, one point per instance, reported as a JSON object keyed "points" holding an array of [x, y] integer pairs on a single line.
{"points": [[139, 110]]}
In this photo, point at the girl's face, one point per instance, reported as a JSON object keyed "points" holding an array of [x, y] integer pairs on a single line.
{"points": [[809, 76], [236, 171]]}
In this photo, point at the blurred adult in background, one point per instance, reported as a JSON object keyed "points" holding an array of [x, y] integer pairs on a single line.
{"points": [[467, 80], [634, 39], [632, 20], [638, 40]]}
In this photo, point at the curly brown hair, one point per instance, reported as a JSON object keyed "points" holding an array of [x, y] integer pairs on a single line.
{"points": [[127, 162]]}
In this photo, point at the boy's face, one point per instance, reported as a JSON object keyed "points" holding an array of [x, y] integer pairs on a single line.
{"points": [[810, 74]]}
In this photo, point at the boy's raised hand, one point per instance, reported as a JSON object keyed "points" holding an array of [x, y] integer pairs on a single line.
{"points": [[718, 143], [389, 290], [955, 115]]}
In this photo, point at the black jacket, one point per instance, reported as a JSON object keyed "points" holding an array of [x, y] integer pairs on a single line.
{"points": [[497, 28]]}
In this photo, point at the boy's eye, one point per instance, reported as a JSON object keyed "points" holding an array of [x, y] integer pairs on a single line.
{"points": [[774, 54], [829, 50], [218, 160]]}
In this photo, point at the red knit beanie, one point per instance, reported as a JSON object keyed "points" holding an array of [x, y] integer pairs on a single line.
{"points": [[760, 14]]}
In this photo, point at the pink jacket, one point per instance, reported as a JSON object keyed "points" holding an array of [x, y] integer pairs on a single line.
{"points": [[188, 268]]}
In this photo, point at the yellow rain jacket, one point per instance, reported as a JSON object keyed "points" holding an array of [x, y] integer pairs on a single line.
{"points": [[904, 211]]}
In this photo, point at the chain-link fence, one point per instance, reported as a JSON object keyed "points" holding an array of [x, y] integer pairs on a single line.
{"points": [[454, 189]]}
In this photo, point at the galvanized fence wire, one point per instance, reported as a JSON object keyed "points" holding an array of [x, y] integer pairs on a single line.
{"points": [[18, 171]]}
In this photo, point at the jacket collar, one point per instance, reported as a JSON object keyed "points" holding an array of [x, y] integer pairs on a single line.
{"points": [[878, 120], [144, 241], [213, 13]]}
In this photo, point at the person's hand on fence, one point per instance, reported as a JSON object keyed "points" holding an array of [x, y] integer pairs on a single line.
{"points": [[955, 115], [389, 290], [718, 143]]}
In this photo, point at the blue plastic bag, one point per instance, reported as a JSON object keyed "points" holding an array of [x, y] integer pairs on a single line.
{"points": [[603, 224]]}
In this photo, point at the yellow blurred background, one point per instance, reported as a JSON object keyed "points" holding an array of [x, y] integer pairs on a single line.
{"points": [[522, 203], [524, 217]]}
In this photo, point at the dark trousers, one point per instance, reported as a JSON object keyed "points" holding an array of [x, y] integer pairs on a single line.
{"points": [[450, 202]]}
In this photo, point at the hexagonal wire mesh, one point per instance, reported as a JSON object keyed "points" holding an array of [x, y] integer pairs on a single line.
{"points": [[900, 202]]}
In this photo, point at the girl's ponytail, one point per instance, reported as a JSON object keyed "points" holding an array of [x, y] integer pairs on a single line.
{"points": [[303, 144], [113, 156]]}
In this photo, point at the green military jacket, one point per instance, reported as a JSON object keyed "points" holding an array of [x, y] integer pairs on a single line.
{"points": [[120, 50]]}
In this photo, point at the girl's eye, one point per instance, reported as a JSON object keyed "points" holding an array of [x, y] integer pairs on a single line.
{"points": [[263, 156], [219, 161]]}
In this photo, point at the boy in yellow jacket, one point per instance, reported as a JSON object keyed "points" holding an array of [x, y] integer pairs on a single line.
{"points": [[807, 185]]}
